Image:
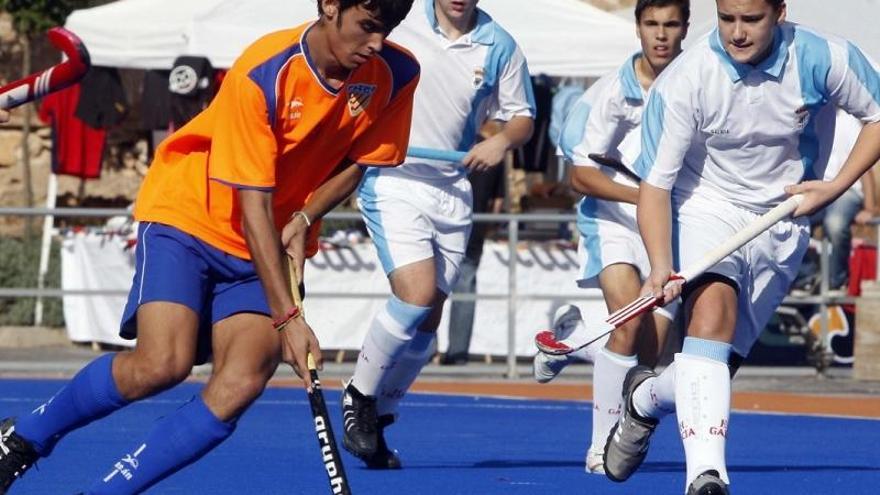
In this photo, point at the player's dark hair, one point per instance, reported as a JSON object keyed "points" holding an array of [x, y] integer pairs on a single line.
{"points": [[683, 5], [390, 12], [776, 4]]}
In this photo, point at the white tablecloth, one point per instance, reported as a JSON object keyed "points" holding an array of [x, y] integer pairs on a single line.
{"points": [[96, 262], [92, 261]]}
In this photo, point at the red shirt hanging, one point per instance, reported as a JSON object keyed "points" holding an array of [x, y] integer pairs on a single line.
{"points": [[77, 148]]}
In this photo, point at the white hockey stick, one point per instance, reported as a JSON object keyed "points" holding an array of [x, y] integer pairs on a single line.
{"points": [[546, 340]]}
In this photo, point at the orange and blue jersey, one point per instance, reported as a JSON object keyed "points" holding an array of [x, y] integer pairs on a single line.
{"points": [[276, 125]]}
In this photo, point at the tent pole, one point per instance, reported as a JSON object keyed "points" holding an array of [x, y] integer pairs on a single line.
{"points": [[46, 244]]}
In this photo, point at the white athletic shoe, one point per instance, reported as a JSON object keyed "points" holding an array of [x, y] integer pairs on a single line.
{"points": [[547, 366], [595, 462]]}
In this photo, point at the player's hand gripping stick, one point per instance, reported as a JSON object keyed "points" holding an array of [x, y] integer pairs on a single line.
{"points": [[546, 341]]}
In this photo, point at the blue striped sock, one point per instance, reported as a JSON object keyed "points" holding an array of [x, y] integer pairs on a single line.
{"points": [[709, 349], [90, 395], [174, 442]]}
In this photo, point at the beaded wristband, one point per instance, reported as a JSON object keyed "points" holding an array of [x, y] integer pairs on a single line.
{"points": [[279, 324]]}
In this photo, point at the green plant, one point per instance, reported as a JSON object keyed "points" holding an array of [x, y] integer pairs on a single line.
{"points": [[18, 269], [36, 16]]}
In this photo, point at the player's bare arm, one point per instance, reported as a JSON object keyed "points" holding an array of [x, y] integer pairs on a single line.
{"points": [[490, 152], [869, 207], [264, 245], [655, 225], [592, 182], [293, 236], [818, 194]]}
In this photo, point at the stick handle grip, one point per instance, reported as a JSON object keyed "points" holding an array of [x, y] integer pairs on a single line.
{"points": [[294, 288], [755, 228]]}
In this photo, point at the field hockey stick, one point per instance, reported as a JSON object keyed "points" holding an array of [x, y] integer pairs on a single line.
{"points": [[582, 337], [52, 79], [617, 166], [323, 428], [432, 154]]}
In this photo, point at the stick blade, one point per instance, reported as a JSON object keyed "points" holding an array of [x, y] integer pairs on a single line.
{"points": [[546, 342], [582, 336]]}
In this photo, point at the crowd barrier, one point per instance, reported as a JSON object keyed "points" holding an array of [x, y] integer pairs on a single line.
{"points": [[514, 300]]}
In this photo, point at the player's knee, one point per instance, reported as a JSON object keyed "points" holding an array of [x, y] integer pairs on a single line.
{"points": [[418, 297], [242, 388], [415, 287], [709, 332], [153, 374]]}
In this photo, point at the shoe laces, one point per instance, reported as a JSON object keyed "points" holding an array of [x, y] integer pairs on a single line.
{"points": [[5, 448], [14, 462], [365, 414]]}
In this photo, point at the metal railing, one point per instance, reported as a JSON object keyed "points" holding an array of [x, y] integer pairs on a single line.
{"points": [[514, 223]]}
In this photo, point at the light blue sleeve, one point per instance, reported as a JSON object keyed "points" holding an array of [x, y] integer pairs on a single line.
{"points": [[668, 128], [854, 83], [596, 124]]}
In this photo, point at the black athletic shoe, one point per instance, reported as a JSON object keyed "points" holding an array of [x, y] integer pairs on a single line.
{"points": [[630, 437], [359, 423], [384, 458], [16, 455], [708, 483]]}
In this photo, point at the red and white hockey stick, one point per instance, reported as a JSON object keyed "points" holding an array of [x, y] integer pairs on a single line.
{"points": [[546, 340], [52, 79]]}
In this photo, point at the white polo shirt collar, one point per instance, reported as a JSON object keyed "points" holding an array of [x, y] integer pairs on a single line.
{"points": [[772, 65]]}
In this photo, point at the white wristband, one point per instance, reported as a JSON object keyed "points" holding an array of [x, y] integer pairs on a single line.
{"points": [[304, 216]]}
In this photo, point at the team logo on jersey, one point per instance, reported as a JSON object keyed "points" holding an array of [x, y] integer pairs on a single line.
{"points": [[359, 96], [479, 77], [294, 109], [801, 117]]}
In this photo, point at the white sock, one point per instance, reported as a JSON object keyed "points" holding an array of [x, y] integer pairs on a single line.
{"points": [[398, 381], [702, 399], [387, 339], [655, 397], [589, 352], [608, 373]]}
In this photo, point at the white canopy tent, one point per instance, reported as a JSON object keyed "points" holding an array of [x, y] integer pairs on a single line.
{"points": [[143, 34], [559, 37], [855, 20]]}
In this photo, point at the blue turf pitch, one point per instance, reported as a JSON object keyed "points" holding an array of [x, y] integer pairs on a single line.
{"points": [[456, 445]]}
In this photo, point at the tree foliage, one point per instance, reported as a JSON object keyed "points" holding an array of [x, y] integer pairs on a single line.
{"points": [[31, 17], [21, 260]]}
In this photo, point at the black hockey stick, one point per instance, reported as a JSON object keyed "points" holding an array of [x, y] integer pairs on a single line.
{"points": [[617, 166], [323, 429]]}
